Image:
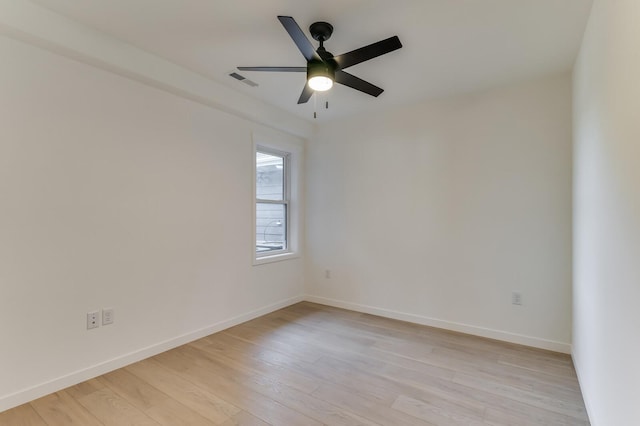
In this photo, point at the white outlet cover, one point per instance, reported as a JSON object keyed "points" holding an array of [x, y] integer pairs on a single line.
{"points": [[516, 298], [92, 320]]}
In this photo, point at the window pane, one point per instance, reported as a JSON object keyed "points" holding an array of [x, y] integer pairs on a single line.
{"points": [[269, 176], [271, 228]]}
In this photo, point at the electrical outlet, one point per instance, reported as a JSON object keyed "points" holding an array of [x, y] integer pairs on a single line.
{"points": [[92, 320], [327, 274], [107, 316], [516, 298]]}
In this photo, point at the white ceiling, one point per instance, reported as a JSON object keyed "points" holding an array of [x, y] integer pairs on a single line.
{"points": [[450, 46]]}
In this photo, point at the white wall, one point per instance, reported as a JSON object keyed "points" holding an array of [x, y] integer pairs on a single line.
{"points": [[434, 213], [607, 214], [116, 194]]}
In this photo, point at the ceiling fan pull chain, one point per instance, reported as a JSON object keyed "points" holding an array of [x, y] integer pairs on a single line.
{"points": [[315, 104]]}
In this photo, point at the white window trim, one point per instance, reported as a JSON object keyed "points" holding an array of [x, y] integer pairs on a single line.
{"points": [[294, 223]]}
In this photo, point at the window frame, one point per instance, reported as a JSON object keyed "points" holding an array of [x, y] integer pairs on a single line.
{"points": [[286, 198], [292, 154]]}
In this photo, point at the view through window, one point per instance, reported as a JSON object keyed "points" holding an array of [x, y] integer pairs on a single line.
{"points": [[272, 201]]}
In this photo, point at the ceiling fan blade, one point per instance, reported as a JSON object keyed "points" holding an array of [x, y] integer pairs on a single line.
{"points": [[368, 52], [357, 83], [301, 40], [305, 95], [279, 69]]}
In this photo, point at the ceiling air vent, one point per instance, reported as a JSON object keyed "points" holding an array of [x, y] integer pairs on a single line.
{"points": [[243, 79]]}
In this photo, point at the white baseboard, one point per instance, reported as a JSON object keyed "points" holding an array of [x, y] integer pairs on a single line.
{"points": [[447, 325], [29, 394]]}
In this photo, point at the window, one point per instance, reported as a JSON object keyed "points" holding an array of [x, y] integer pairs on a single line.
{"points": [[272, 204], [277, 197]]}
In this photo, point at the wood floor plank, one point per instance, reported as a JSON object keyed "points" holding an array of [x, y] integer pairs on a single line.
{"points": [[434, 414], [244, 419], [549, 402], [309, 339], [148, 399], [446, 337], [471, 397], [288, 394], [539, 366], [136, 391], [173, 413], [239, 360], [501, 417], [205, 403], [217, 378], [264, 336], [367, 408], [60, 409], [387, 388], [474, 366], [23, 415], [113, 410], [311, 364], [85, 388]]}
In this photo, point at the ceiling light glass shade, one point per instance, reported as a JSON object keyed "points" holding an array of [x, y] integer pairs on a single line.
{"points": [[320, 76], [320, 83]]}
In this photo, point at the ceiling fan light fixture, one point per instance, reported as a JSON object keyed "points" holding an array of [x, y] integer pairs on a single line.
{"points": [[320, 76], [320, 83], [322, 66]]}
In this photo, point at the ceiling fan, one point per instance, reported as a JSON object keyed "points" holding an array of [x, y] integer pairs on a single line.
{"points": [[323, 69]]}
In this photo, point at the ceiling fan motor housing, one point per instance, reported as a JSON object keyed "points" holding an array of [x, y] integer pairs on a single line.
{"points": [[321, 69]]}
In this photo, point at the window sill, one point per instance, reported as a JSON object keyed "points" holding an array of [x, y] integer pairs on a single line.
{"points": [[274, 258]]}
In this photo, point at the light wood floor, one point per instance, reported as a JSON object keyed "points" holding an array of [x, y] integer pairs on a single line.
{"points": [[310, 364]]}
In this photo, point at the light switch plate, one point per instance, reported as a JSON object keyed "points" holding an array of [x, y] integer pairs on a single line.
{"points": [[107, 316]]}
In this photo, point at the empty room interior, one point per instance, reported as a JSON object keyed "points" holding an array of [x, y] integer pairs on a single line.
{"points": [[341, 212]]}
